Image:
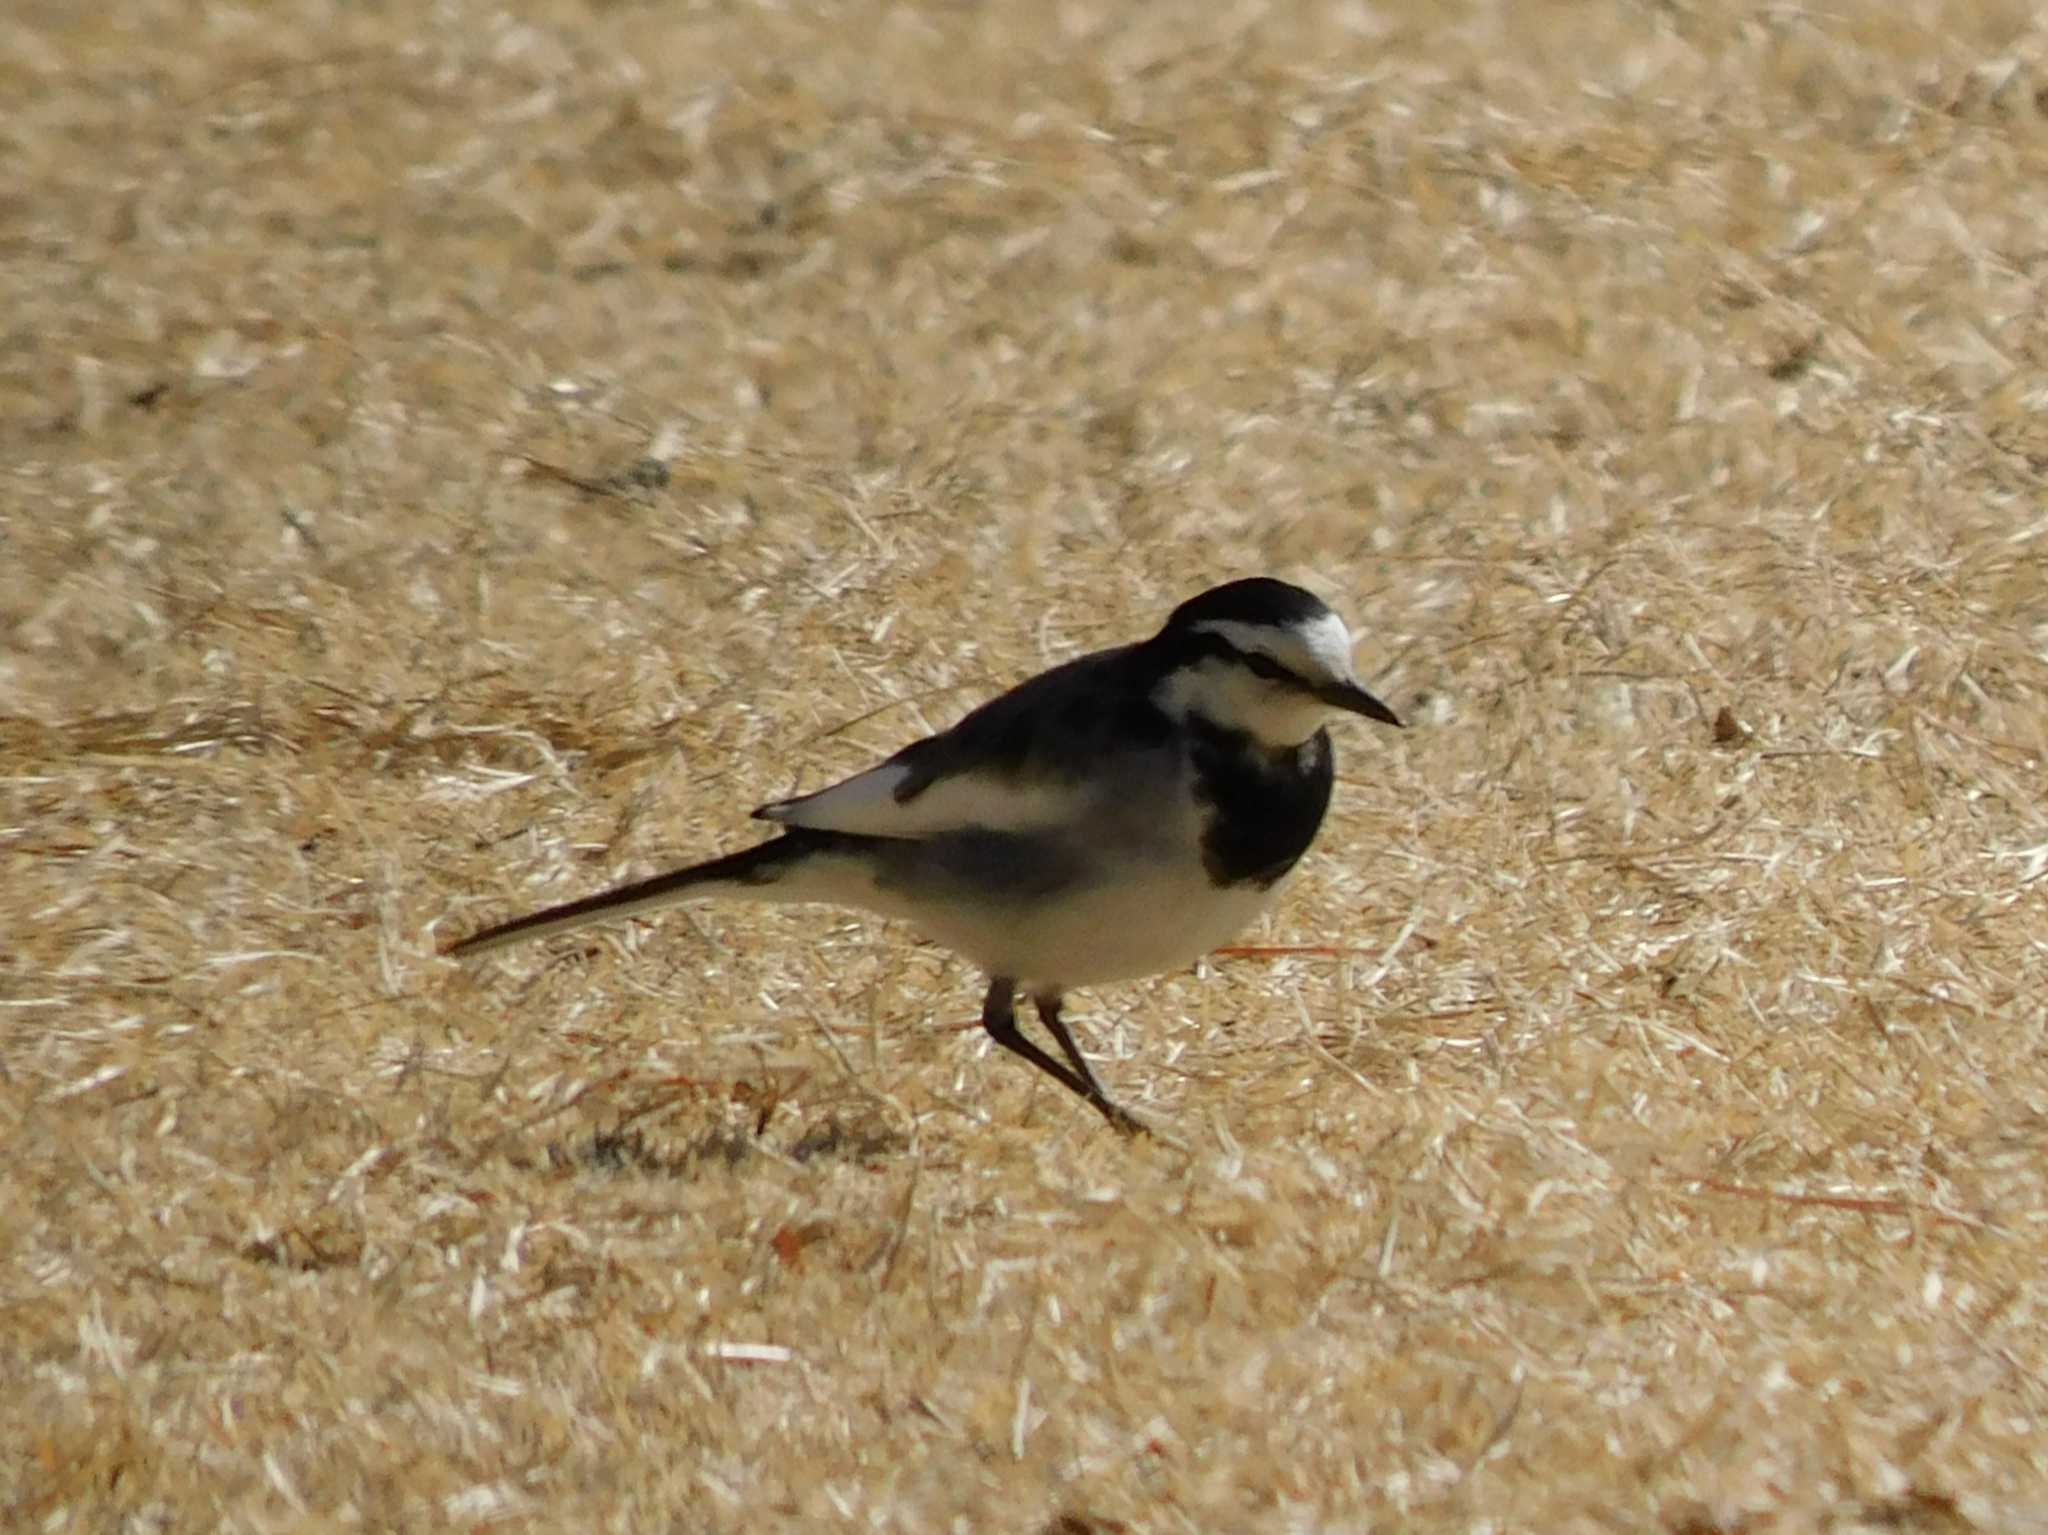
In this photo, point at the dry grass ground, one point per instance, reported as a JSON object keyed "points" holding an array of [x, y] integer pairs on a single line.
{"points": [[451, 459]]}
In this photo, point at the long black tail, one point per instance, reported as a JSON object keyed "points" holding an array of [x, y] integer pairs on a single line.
{"points": [[735, 874]]}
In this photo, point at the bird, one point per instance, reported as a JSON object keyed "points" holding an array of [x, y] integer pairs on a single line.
{"points": [[1117, 816]]}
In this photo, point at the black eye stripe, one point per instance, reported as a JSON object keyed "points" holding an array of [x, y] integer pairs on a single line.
{"points": [[1267, 667], [1213, 644]]}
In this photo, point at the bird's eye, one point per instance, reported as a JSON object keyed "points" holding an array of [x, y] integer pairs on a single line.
{"points": [[1265, 666]]}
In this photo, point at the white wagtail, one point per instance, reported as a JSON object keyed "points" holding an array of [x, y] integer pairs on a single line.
{"points": [[1116, 816]]}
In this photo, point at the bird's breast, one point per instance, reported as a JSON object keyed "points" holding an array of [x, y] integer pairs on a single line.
{"points": [[1262, 808]]}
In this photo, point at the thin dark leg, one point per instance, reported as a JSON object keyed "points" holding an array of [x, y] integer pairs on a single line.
{"points": [[1048, 1004], [999, 1017], [1049, 1015]]}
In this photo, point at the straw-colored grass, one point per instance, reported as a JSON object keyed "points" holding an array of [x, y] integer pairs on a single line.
{"points": [[450, 460]]}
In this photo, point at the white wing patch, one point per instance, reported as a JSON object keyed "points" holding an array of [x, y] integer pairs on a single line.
{"points": [[866, 805]]}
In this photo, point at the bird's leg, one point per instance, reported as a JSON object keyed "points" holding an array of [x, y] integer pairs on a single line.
{"points": [[1048, 1005], [999, 1017]]}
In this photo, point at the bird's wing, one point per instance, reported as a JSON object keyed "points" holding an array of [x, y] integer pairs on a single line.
{"points": [[895, 800], [1021, 762]]}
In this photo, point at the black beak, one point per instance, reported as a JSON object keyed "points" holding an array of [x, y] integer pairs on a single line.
{"points": [[1351, 697]]}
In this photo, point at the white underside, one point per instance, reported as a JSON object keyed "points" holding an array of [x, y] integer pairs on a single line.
{"points": [[1159, 919], [1150, 907], [1164, 919]]}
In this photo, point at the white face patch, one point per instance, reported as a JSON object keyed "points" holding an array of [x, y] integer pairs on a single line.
{"points": [[1225, 693], [1328, 643], [1316, 649]]}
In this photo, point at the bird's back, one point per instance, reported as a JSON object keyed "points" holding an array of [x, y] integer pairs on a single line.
{"points": [[1041, 757]]}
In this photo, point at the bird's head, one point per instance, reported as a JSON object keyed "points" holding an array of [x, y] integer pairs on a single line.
{"points": [[1262, 657]]}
